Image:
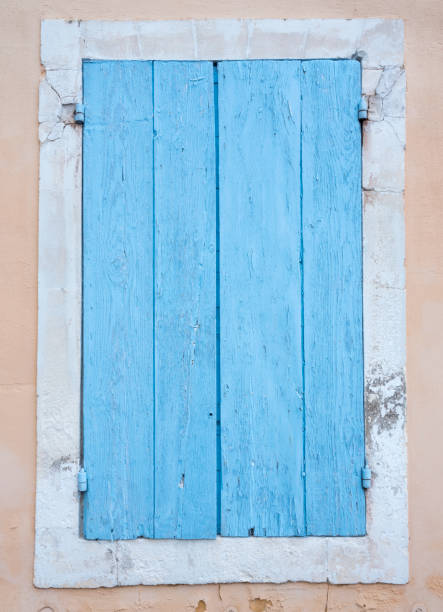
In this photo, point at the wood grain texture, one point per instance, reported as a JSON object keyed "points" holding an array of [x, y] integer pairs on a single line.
{"points": [[260, 299], [185, 301], [117, 300], [332, 262]]}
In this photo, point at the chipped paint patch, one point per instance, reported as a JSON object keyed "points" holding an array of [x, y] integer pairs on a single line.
{"points": [[260, 605], [435, 584], [63, 464]]}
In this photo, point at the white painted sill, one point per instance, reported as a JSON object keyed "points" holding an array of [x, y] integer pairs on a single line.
{"points": [[62, 557]]}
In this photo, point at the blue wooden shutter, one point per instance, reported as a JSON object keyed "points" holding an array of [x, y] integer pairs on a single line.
{"points": [[267, 166], [149, 283], [292, 432]]}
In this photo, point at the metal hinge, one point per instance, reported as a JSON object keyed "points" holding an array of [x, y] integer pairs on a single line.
{"points": [[363, 109], [366, 476], [82, 481], [79, 113]]}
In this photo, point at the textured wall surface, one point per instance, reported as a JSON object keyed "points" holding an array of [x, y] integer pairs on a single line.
{"points": [[20, 70]]}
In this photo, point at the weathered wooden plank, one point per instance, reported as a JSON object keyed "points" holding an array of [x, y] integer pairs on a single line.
{"points": [[117, 300], [332, 262], [185, 301], [260, 299]]}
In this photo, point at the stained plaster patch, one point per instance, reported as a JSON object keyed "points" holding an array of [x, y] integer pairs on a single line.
{"points": [[62, 557], [384, 403]]}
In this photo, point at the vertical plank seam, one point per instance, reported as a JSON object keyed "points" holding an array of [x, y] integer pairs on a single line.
{"points": [[302, 309], [217, 294], [153, 304]]}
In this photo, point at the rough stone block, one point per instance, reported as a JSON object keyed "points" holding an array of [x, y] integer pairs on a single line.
{"points": [[49, 103], [382, 41], [216, 40], [383, 156], [383, 222], [62, 44], [67, 84], [394, 102], [369, 80]]}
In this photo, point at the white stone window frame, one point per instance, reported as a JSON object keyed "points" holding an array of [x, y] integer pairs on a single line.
{"points": [[63, 558]]}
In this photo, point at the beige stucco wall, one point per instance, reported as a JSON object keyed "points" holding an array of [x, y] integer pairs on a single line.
{"points": [[20, 73]]}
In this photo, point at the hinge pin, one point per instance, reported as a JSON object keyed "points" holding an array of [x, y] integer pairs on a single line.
{"points": [[79, 113], [366, 476], [363, 109], [82, 481]]}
